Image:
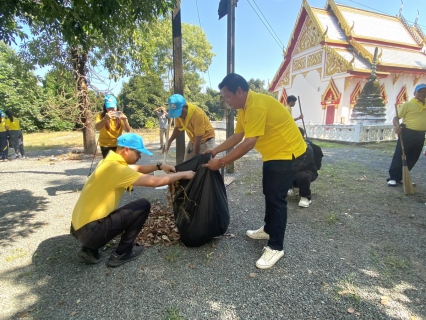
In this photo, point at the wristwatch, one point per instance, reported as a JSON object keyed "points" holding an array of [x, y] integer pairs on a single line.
{"points": [[159, 164]]}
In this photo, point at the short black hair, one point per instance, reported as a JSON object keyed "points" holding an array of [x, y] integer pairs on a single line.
{"points": [[232, 81], [291, 98]]}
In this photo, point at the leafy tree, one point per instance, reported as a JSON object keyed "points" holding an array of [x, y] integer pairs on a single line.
{"points": [[19, 90], [139, 97], [258, 86], [80, 35]]}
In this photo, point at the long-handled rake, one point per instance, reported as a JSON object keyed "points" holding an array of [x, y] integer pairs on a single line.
{"points": [[406, 178], [303, 121]]}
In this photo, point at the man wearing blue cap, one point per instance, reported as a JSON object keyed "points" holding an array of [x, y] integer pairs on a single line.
{"points": [[96, 218], [413, 129], [195, 122]]}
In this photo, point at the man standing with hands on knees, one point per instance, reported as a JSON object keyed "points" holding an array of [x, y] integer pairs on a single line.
{"points": [[266, 126], [96, 218]]}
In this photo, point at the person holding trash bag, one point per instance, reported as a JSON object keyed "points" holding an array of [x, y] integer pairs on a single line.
{"points": [[194, 121], [96, 218], [110, 122], [266, 126]]}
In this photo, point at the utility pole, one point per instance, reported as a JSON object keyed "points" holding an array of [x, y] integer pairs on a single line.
{"points": [[178, 73], [230, 69]]}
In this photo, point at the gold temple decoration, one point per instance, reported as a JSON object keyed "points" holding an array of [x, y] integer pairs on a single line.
{"points": [[319, 71], [314, 58], [305, 73], [384, 93], [361, 50], [342, 22], [285, 79], [283, 98], [308, 38], [416, 79], [355, 95], [396, 77], [402, 96], [333, 66], [299, 63], [348, 81], [331, 96], [292, 78]]}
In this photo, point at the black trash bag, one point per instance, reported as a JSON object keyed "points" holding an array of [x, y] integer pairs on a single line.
{"points": [[200, 205]]}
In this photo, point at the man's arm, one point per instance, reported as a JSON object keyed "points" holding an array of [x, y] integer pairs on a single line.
{"points": [[229, 143], [147, 180], [197, 145], [395, 122], [238, 152], [145, 169], [299, 117], [174, 135]]}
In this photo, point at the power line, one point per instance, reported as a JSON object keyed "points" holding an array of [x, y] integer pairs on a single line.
{"points": [[282, 45], [199, 22], [277, 40]]}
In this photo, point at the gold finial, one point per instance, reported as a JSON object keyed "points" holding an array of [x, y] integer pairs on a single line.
{"points": [[400, 8], [353, 59], [353, 26], [417, 17], [325, 32], [380, 54]]}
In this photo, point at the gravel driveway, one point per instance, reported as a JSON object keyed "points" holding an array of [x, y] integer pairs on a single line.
{"points": [[357, 251]]}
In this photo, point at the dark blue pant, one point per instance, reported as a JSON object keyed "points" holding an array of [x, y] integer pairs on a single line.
{"points": [[302, 180], [128, 219], [4, 146], [277, 179], [413, 144]]}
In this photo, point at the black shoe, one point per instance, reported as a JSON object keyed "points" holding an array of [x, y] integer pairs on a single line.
{"points": [[116, 260], [90, 256]]}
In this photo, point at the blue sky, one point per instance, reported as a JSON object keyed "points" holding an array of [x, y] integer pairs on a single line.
{"points": [[257, 53]]}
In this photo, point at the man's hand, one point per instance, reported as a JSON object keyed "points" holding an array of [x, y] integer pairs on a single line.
{"points": [[188, 174], [168, 168], [165, 149], [398, 129], [211, 151], [215, 164]]}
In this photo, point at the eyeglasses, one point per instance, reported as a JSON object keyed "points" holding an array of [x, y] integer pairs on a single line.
{"points": [[138, 153]]}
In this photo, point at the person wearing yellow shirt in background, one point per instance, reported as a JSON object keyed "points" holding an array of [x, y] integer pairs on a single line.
{"points": [[4, 147], [15, 134], [195, 122], [110, 122], [413, 131], [267, 126], [96, 219]]}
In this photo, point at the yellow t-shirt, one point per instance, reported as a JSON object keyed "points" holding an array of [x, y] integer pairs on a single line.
{"points": [[199, 124], [13, 125], [3, 125], [266, 118], [413, 114], [103, 191], [108, 138]]}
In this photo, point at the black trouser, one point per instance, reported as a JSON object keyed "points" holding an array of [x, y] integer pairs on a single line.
{"points": [[413, 144], [302, 180], [277, 179], [105, 150], [4, 146], [128, 219]]}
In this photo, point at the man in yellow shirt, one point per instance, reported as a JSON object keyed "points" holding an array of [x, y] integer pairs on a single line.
{"points": [[267, 126], [412, 130], [96, 218], [195, 122]]}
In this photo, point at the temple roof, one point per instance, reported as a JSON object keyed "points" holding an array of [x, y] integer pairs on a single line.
{"points": [[351, 35]]}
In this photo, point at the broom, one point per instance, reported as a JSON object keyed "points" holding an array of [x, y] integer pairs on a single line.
{"points": [[303, 121], [406, 178]]}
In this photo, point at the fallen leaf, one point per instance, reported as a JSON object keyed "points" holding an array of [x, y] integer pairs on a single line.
{"points": [[351, 310], [60, 303], [309, 271], [384, 300], [343, 292], [191, 266], [357, 313], [73, 313], [252, 275], [413, 318], [24, 315]]}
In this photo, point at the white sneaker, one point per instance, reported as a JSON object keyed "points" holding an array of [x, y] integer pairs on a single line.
{"points": [[269, 258], [258, 234], [304, 202], [290, 193], [391, 183]]}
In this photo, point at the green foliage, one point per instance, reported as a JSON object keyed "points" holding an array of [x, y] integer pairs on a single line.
{"points": [[139, 97], [258, 86]]}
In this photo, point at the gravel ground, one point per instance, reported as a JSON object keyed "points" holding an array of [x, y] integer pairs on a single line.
{"points": [[357, 251]]}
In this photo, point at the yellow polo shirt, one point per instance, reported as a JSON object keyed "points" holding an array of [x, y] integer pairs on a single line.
{"points": [[266, 118], [199, 125], [103, 191], [13, 125], [413, 114], [108, 138]]}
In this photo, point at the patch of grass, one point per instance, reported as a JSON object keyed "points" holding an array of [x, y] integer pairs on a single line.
{"points": [[209, 256], [16, 254], [331, 218], [173, 254], [388, 264], [172, 313], [347, 289]]}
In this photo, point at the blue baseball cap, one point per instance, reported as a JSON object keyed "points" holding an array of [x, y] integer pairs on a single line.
{"points": [[132, 141], [110, 101], [420, 86], [176, 103]]}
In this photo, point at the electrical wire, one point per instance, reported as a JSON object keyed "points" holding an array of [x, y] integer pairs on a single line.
{"points": [[282, 45], [275, 38], [199, 22]]}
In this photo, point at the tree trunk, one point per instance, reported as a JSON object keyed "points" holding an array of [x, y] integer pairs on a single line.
{"points": [[79, 61]]}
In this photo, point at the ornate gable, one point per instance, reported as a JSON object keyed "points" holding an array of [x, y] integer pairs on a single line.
{"points": [[384, 93], [402, 96], [283, 98], [355, 95], [331, 95], [309, 37]]}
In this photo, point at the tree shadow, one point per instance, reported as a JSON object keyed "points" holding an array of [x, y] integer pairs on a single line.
{"points": [[61, 187], [17, 210]]}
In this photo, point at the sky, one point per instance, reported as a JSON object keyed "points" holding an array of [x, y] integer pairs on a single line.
{"points": [[259, 52]]}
